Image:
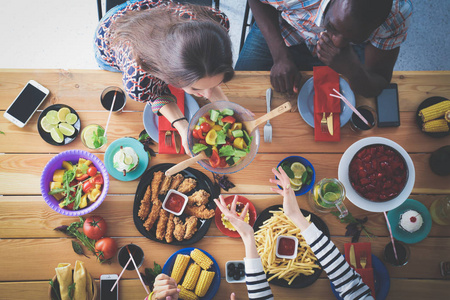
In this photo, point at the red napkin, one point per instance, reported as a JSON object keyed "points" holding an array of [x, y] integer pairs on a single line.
{"points": [[325, 80], [164, 125], [367, 272]]}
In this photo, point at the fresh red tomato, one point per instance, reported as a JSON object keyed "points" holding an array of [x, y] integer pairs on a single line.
{"points": [[214, 160], [195, 134], [92, 171], [87, 186], [200, 134], [97, 179], [205, 127], [82, 177], [223, 162], [70, 206], [227, 142], [228, 119], [105, 248], [94, 227], [231, 139]]}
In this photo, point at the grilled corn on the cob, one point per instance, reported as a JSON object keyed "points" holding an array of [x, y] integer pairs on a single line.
{"points": [[434, 111], [204, 281], [201, 258], [181, 262], [439, 125], [186, 295], [190, 280]]}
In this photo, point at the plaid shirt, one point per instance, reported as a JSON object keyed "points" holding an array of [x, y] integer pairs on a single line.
{"points": [[139, 84], [302, 21]]}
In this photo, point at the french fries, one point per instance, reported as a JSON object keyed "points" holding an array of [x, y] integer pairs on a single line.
{"points": [[287, 269]]}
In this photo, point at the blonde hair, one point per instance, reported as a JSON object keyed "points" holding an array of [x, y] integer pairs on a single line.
{"points": [[178, 50]]}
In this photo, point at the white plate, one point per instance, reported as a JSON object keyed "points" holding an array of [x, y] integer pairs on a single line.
{"points": [[361, 202], [151, 119], [305, 101]]}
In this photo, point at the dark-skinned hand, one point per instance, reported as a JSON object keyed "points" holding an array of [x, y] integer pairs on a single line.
{"points": [[284, 76], [339, 59]]}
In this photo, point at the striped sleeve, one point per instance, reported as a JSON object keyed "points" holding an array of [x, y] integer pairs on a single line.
{"points": [[346, 281], [256, 280]]}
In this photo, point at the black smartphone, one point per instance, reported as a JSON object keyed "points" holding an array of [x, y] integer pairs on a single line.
{"points": [[388, 112], [106, 283]]}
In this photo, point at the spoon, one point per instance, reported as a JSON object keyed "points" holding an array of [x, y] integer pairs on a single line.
{"points": [[251, 125], [185, 163]]}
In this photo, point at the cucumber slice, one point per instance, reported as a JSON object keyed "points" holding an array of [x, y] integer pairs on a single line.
{"points": [[214, 115], [237, 133], [227, 112]]}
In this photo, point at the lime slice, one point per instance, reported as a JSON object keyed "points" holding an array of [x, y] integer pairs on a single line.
{"points": [[298, 169], [46, 126], [62, 113], [56, 135], [87, 136], [66, 129], [71, 118], [128, 159], [331, 187], [52, 117], [316, 192], [295, 182], [296, 188], [329, 196]]}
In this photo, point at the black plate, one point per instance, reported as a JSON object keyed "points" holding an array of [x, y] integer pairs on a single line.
{"points": [[301, 281], [203, 183], [425, 103], [46, 135]]}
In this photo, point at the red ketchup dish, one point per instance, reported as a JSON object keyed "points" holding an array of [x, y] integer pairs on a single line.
{"points": [[175, 202], [287, 247], [378, 173], [242, 201]]}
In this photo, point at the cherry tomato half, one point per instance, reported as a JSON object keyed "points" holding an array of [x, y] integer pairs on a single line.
{"points": [[195, 134], [205, 127], [97, 179], [92, 171], [200, 134], [70, 206], [87, 186]]}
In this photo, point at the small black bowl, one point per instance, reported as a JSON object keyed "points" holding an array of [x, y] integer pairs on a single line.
{"points": [[46, 135], [425, 103]]}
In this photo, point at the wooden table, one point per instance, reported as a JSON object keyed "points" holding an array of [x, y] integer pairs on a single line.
{"points": [[30, 248]]}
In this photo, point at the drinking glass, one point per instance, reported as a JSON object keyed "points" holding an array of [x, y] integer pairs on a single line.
{"points": [[356, 124], [327, 194], [92, 136], [402, 254], [107, 98], [123, 256], [440, 211]]}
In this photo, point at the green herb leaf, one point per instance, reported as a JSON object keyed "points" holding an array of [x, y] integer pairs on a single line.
{"points": [[116, 165], [102, 139], [77, 199], [143, 137], [100, 131], [56, 191], [287, 169], [150, 274], [1, 132], [304, 177], [78, 249], [71, 290], [56, 291]]}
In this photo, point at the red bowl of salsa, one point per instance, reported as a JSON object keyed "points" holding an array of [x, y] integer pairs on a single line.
{"points": [[377, 173], [175, 202]]}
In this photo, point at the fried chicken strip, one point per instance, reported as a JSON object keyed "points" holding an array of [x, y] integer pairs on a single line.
{"points": [[170, 228], [176, 180], [156, 182], [144, 209], [153, 216], [200, 197], [200, 212], [187, 185], [191, 227], [165, 185], [162, 223], [180, 229]]}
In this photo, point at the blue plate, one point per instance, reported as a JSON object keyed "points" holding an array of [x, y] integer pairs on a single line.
{"points": [[167, 269], [306, 187], [305, 101], [403, 235], [126, 142], [151, 119], [381, 277]]}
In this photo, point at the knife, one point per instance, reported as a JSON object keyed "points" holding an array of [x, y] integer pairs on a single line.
{"points": [[352, 256], [177, 141], [330, 123]]}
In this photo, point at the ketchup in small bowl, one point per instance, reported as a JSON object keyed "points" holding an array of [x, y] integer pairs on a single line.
{"points": [[287, 247], [175, 202]]}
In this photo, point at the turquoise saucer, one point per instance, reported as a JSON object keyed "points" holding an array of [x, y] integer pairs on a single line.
{"points": [[126, 142], [403, 235]]}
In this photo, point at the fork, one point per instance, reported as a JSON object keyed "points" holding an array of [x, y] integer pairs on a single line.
{"points": [[268, 126], [363, 259], [323, 123], [168, 138]]}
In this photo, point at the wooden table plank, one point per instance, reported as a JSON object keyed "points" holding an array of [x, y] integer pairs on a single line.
{"points": [[30, 217], [15, 169]]}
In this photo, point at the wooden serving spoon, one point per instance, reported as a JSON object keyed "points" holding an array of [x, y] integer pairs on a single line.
{"points": [[251, 125], [185, 163]]}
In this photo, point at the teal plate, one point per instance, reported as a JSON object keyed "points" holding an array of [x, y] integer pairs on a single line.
{"points": [[403, 235], [126, 142]]}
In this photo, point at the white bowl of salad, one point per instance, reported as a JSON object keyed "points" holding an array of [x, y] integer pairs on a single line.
{"points": [[217, 129]]}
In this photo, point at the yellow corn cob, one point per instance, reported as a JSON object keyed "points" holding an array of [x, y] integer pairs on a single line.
{"points": [[186, 295], [179, 266], [190, 280], [204, 281], [201, 258], [439, 125], [434, 111], [447, 116]]}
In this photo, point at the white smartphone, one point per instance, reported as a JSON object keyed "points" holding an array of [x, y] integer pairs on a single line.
{"points": [[106, 283], [26, 103]]}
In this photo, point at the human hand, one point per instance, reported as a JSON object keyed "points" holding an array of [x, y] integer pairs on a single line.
{"points": [[290, 205], [183, 131], [165, 288], [233, 296], [338, 57], [242, 227], [285, 77]]}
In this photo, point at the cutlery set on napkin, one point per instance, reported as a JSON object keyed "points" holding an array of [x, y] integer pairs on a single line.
{"points": [[169, 138], [359, 256]]}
